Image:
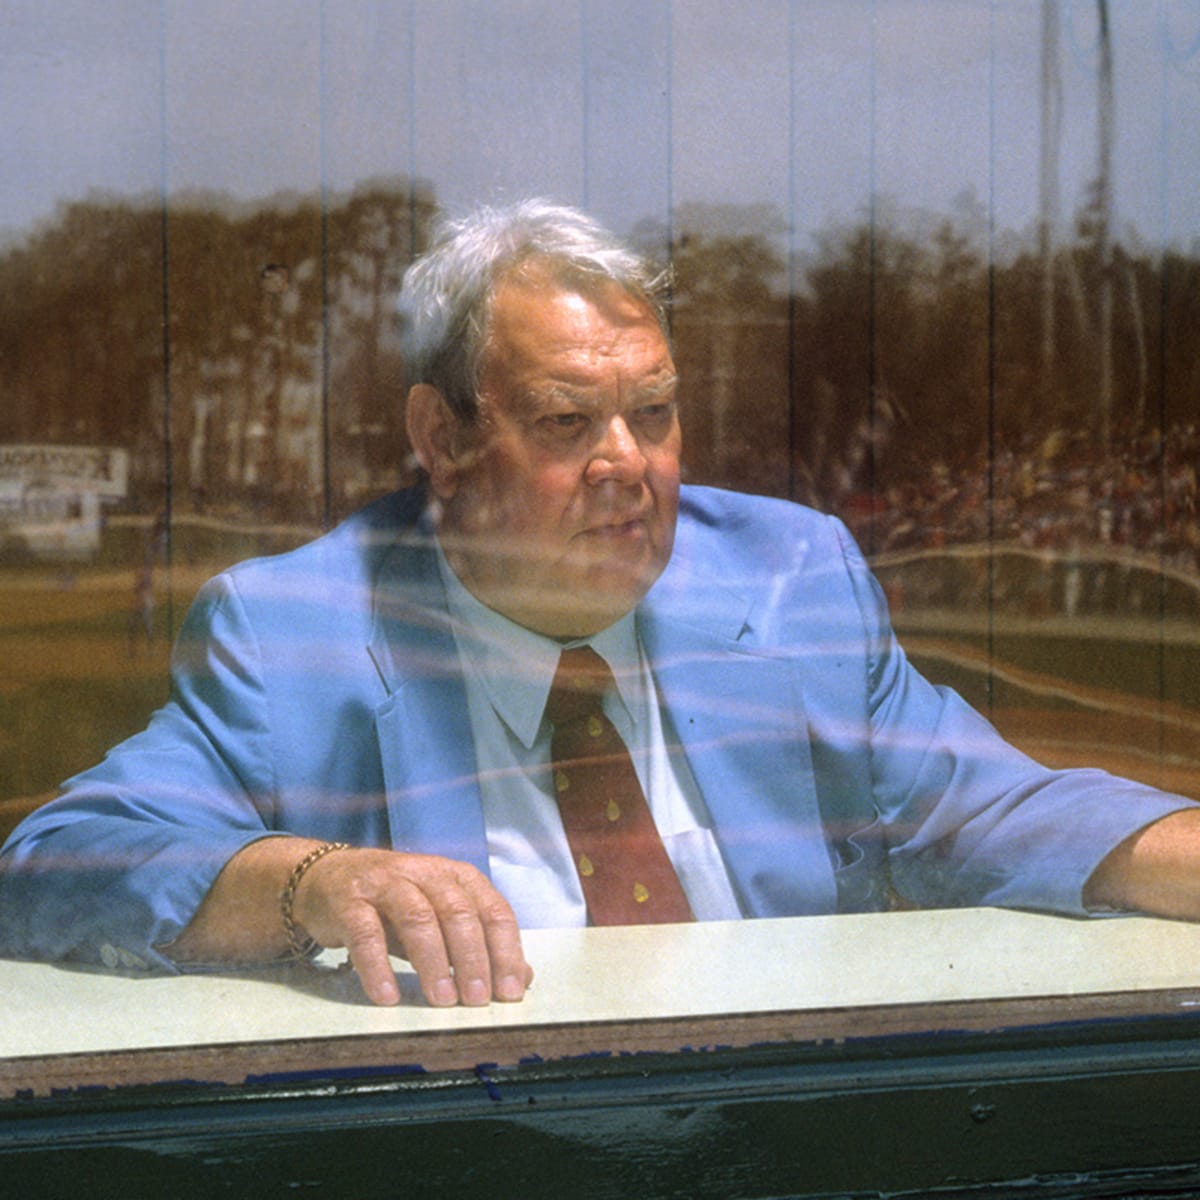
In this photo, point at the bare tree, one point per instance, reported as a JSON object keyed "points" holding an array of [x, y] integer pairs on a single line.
{"points": [[1104, 223], [1051, 119]]}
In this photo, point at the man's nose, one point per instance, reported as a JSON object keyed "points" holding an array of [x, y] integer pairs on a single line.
{"points": [[617, 456]]}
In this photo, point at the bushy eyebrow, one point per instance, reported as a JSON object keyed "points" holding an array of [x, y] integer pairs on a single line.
{"points": [[565, 393], [659, 387]]}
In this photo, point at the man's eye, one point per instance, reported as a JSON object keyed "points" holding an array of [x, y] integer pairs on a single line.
{"points": [[568, 422], [659, 411]]}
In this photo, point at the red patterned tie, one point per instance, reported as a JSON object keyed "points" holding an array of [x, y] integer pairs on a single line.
{"points": [[626, 875]]}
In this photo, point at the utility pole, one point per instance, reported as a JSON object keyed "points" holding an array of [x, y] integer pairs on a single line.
{"points": [[1104, 225], [1051, 130]]}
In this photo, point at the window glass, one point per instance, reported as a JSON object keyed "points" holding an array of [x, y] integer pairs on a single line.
{"points": [[935, 267]]}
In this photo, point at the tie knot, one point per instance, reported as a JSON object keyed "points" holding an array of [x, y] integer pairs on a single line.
{"points": [[579, 685]]}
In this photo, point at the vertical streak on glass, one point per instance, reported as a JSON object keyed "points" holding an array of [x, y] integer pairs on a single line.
{"points": [[991, 364], [670, 82], [793, 431], [873, 202], [164, 202], [584, 52], [412, 132], [1163, 319], [323, 135]]}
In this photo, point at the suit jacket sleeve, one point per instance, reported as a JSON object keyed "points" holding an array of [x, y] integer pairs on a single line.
{"points": [[115, 868], [968, 818]]}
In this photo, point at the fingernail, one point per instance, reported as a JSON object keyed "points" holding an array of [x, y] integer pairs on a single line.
{"points": [[509, 987], [444, 992], [475, 991]]}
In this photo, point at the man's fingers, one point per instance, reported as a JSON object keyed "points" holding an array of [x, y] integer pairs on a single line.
{"points": [[467, 947], [510, 973], [418, 929], [366, 941], [458, 924], [442, 932]]}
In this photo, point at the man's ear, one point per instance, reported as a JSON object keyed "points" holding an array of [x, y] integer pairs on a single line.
{"points": [[436, 437]]}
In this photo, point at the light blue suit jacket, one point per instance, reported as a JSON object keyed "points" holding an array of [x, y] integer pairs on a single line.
{"points": [[319, 693]]}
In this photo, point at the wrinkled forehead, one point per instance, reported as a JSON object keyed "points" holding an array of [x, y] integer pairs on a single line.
{"points": [[545, 329], [545, 276]]}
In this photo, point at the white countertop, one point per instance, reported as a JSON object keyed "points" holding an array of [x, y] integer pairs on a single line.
{"points": [[622, 975]]}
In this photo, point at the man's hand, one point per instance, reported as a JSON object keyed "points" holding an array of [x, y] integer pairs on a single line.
{"points": [[444, 916]]}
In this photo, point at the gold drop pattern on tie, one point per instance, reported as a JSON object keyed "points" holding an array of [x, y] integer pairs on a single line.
{"points": [[616, 850]]}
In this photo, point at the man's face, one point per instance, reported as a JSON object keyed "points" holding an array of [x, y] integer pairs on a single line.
{"points": [[560, 513]]}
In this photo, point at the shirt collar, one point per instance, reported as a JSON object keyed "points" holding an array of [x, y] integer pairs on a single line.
{"points": [[515, 666]]}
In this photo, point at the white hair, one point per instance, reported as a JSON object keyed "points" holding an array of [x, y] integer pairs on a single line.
{"points": [[445, 301]]}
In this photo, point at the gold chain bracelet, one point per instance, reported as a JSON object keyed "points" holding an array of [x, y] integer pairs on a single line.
{"points": [[301, 945]]}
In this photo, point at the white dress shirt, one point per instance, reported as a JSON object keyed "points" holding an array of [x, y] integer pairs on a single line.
{"points": [[509, 670]]}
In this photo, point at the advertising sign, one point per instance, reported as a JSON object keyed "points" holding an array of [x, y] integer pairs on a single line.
{"points": [[101, 470], [51, 497]]}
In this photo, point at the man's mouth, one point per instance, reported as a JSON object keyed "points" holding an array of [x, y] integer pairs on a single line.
{"points": [[629, 527]]}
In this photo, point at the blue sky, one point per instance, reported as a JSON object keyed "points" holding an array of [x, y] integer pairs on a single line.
{"points": [[630, 106]]}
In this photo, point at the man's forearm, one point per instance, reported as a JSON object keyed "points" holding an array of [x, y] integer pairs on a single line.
{"points": [[240, 919], [1155, 871]]}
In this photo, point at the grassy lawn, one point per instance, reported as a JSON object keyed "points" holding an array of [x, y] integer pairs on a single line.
{"points": [[78, 672]]}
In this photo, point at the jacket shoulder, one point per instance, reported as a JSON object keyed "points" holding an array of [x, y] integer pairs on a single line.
{"points": [[716, 523], [352, 549], [743, 563], [328, 583]]}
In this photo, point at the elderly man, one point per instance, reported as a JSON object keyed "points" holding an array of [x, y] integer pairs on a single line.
{"points": [[550, 686]]}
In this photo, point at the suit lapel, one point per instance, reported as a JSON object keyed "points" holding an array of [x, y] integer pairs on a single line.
{"points": [[424, 728], [738, 714]]}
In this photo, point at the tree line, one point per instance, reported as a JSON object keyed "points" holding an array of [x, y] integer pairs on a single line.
{"points": [[248, 354]]}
